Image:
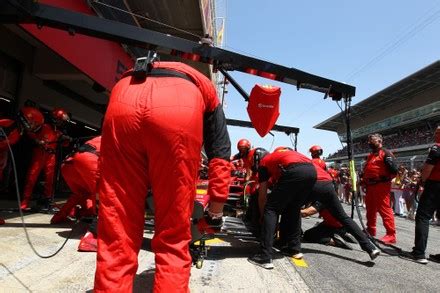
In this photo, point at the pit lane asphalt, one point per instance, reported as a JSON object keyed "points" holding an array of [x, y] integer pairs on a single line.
{"points": [[325, 269]]}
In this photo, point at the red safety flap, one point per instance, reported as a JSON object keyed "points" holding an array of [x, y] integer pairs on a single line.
{"points": [[263, 108]]}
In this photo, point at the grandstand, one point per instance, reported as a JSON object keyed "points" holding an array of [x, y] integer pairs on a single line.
{"points": [[405, 113]]}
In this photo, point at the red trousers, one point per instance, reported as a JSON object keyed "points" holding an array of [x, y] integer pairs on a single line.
{"points": [[152, 136], [80, 173], [41, 161], [377, 199]]}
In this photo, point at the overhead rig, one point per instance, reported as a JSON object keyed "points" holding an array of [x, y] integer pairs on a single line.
{"points": [[30, 11], [290, 131]]}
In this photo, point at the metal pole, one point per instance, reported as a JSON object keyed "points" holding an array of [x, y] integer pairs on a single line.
{"points": [[235, 84], [352, 168]]}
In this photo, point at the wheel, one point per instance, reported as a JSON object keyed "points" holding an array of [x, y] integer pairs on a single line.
{"points": [[199, 263]]}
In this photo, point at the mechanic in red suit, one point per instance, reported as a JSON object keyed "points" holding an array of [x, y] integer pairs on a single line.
{"points": [[379, 169], [296, 180], [81, 173], [243, 147], [43, 157], [335, 176], [330, 231], [29, 120], [152, 136], [316, 152]]}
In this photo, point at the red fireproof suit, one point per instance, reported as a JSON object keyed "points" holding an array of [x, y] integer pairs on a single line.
{"points": [[81, 173], [377, 178], [320, 163], [13, 133], [152, 136], [43, 158]]}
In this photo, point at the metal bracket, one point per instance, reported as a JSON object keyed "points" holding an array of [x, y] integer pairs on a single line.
{"points": [[143, 65]]}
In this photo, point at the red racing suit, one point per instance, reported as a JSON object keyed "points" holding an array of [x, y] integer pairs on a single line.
{"points": [[43, 158], [81, 173], [152, 136], [13, 133], [329, 220], [320, 163], [378, 172]]}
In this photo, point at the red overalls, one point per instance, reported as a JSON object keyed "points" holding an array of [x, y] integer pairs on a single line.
{"points": [[329, 220], [320, 163], [81, 174], [377, 179], [43, 158], [152, 136]]}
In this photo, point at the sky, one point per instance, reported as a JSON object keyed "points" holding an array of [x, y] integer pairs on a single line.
{"points": [[368, 44]]}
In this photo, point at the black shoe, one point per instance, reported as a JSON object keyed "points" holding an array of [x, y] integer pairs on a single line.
{"points": [[374, 253], [340, 242], [349, 238], [434, 257], [415, 258], [292, 253], [262, 261]]}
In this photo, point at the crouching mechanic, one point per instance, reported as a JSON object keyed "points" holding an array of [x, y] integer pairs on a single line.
{"points": [[152, 136], [296, 181], [329, 232], [81, 173]]}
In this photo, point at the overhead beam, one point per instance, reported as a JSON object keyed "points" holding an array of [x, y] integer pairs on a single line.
{"points": [[241, 123]]}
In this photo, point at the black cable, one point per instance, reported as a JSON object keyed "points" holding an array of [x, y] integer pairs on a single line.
{"points": [[3, 133]]}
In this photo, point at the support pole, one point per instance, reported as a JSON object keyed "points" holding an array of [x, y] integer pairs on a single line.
{"points": [[235, 84], [353, 175]]}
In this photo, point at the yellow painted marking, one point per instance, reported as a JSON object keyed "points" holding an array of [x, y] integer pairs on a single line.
{"points": [[300, 262], [210, 241]]}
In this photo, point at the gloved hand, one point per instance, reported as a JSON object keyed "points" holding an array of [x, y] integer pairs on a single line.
{"points": [[215, 221]]}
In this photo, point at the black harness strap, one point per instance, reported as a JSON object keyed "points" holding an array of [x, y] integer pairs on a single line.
{"points": [[89, 149], [161, 72]]}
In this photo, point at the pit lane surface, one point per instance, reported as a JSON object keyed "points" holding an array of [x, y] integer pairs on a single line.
{"points": [[325, 269]]}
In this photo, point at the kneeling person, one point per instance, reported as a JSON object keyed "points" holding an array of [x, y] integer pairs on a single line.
{"points": [[329, 232], [81, 173]]}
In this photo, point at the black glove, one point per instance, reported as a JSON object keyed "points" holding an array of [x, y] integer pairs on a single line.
{"points": [[214, 223]]}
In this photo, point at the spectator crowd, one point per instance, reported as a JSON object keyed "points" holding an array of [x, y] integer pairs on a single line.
{"points": [[401, 139]]}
